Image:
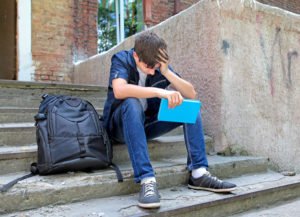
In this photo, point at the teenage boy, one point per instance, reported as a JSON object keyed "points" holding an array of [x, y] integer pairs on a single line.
{"points": [[139, 78]]}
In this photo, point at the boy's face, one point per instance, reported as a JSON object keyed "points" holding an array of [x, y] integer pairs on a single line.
{"points": [[144, 67]]}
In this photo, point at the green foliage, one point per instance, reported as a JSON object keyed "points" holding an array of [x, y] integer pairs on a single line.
{"points": [[107, 27], [107, 30]]}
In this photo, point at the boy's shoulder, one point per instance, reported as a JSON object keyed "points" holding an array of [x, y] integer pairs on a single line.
{"points": [[125, 57], [124, 54]]}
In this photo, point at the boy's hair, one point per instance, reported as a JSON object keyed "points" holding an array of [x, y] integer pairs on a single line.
{"points": [[147, 45]]}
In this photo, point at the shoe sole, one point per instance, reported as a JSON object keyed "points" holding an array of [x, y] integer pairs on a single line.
{"points": [[149, 205], [212, 190]]}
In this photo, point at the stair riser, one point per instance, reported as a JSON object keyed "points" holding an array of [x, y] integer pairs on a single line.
{"points": [[20, 136], [17, 117], [17, 136], [15, 165], [239, 204], [22, 115], [105, 187], [19, 162], [31, 98], [233, 170]]}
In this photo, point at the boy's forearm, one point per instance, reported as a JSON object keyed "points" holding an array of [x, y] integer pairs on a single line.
{"points": [[129, 90], [185, 88]]}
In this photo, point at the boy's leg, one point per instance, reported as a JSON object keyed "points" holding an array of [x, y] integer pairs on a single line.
{"points": [[195, 144], [200, 178], [197, 162], [194, 138], [155, 128], [127, 126]]}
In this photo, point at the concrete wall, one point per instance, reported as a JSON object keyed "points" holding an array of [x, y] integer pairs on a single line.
{"points": [[261, 80], [243, 58]]}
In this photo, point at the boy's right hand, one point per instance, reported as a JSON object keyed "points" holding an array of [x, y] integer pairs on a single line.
{"points": [[174, 97]]}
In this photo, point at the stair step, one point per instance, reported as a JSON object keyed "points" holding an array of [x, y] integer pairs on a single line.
{"points": [[254, 191], [28, 94], [21, 115], [14, 158], [40, 191], [20, 134], [13, 134], [288, 208]]}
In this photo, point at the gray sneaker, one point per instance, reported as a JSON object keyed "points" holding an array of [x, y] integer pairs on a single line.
{"points": [[210, 183], [149, 197]]}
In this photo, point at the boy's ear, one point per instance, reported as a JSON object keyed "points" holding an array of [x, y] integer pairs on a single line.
{"points": [[136, 57]]}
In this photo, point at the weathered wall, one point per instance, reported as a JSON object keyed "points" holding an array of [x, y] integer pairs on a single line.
{"points": [[243, 59], [261, 80], [62, 33]]}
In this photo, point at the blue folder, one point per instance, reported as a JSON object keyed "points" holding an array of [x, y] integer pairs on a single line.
{"points": [[186, 112]]}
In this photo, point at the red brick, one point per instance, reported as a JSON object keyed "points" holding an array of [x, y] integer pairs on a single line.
{"points": [[55, 39]]}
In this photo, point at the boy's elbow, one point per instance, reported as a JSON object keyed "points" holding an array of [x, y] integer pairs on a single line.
{"points": [[118, 93]]}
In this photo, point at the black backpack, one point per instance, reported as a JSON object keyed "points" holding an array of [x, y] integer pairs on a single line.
{"points": [[70, 137]]}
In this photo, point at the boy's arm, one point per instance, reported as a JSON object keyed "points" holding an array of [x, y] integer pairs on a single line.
{"points": [[123, 90], [184, 87]]}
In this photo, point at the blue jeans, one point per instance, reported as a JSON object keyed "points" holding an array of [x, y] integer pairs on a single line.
{"points": [[129, 125]]}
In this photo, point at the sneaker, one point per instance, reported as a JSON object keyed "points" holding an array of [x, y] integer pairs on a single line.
{"points": [[149, 197], [210, 183]]}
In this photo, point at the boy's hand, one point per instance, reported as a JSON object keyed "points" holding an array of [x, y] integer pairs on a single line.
{"points": [[163, 59], [174, 97]]}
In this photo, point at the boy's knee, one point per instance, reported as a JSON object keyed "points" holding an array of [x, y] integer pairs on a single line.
{"points": [[132, 105]]}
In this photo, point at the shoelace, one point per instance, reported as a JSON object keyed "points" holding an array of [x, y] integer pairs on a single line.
{"points": [[149, 189], [213, 177]]}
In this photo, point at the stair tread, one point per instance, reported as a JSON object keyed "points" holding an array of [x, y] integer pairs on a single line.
{"points": [[18, 108], [30, 84], [166, 165], [174, 200], [70, 187], [16, 125]]}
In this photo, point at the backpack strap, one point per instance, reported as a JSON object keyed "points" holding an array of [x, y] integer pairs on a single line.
{"points": [[7, 186], [118, 172], [34, 171]]}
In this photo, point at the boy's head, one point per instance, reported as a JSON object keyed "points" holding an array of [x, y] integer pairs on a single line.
{"points": [[147, 46]]}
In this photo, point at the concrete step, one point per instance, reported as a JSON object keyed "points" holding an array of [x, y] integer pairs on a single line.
{"points": [[288, 208], [13, 134], [254, 191], [40, 191], [21, 115], [28, 94], [19, 158], [20, 134]]}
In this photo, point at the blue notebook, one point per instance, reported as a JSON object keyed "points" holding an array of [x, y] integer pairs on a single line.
{"points": [[185, 113]]}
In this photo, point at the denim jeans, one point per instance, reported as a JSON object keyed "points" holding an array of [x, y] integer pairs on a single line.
{"points": [[129, 125]]}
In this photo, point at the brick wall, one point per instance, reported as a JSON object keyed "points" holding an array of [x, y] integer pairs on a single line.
{"points": [[62, 32], [85, 15], [290, 5], [159, 10]]}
